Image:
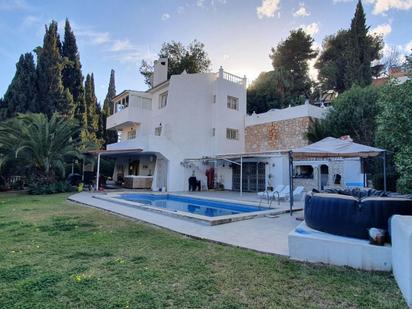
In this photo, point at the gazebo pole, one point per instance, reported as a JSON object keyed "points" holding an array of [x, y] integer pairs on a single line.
{"points": [[384, 171], [290, 181]]}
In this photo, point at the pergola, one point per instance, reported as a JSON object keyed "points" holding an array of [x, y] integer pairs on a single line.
{"points": [[331, 147], [237, 159], [115, 153]]}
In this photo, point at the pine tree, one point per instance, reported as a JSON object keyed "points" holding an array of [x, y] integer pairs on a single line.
{"points": [[51, 94], [72, 76], [359, 61], [21, 95], [109, 136]]}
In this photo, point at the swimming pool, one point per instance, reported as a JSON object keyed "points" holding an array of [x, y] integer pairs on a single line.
{"points": [[198, 206]]}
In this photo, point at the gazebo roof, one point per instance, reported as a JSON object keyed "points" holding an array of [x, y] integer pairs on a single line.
{"points": [[335, 147]]}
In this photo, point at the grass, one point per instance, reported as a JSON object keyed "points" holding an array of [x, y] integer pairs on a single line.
{"points": [[55, 254]]}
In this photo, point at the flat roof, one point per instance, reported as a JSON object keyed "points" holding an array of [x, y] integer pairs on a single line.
{"points": [[114, 152]]}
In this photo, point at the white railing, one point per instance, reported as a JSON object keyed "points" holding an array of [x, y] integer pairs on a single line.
{"points": [[231, 77], [135, 103]]}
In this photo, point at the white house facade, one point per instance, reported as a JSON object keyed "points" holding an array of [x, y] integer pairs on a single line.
{"points": [[187, 116], [197, 125]]}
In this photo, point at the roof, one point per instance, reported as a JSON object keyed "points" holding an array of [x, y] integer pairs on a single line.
{"points": [[165, 83], [335, 147]]}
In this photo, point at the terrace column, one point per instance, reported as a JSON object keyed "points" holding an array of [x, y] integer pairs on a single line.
{"points": [[241, 176], [98, 172]]}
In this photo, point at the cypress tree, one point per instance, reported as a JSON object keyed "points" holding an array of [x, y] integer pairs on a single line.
{"points": [[3, 110], [109, 136], [358, 55], [51, 94], [21, 95], [91, 116], [72, 76]]}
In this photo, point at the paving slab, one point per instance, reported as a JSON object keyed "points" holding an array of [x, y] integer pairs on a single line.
{"points": [[265, 234]]}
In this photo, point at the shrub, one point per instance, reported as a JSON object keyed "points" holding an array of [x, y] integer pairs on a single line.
{"points": [[39, 188]]}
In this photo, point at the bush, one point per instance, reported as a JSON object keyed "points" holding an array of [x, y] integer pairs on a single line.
{"points": [[39, 188]]}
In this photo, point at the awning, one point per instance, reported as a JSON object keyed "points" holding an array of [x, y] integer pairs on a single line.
{"points": [[113, 152], [335, 147]]}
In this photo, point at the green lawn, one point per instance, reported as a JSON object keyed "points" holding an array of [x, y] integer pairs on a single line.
{"points": [[55, 254]]}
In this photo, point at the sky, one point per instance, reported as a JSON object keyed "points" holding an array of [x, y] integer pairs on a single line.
{"points": [[238, 34]]}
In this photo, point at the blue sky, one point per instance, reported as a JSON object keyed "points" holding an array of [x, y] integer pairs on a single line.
{"points": [[238, 34]]}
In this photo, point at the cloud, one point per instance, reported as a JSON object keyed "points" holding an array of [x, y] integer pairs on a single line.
{"points": [[301, 12], [12, 5], [206, 4], [121, 45], [382, 6], [408, 48], [94, 37], [165, 16], [29, 21], [311, 29], [268, 8], [382, 30], [225, 57], [180, 10]]}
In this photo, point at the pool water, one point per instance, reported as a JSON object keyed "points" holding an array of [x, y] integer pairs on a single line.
{"points": [[204, 207]]}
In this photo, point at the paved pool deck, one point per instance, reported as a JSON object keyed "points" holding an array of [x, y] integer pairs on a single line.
{"points": [[265, 234]]}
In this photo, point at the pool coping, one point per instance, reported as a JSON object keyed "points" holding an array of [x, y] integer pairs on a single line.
{"points": [[112, 197]]}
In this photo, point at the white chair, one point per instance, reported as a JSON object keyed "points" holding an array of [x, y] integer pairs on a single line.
{"points": [[298, 193], [270, 195], [284, 194]]}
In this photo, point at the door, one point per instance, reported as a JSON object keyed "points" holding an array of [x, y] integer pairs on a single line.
{"points": [[324, 176], [134, 168], [253, 177]]}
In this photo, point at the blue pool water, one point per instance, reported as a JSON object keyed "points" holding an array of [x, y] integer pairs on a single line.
{"points": [[204, 207]]}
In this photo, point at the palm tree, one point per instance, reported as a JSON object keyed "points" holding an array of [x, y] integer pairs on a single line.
{"points": [[39, 143]]}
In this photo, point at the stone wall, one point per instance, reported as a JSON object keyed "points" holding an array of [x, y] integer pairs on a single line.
{"points": [[278, 135]]}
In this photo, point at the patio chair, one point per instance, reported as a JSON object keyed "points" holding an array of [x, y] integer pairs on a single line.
{"points": [[270, 195], [298, 193], [284, 194]]}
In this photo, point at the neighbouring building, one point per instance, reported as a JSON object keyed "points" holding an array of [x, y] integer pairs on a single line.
{"points": [[196, 125], [398, 74]]}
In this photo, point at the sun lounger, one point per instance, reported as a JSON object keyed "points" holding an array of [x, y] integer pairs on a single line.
{"points": [[270, 195]]}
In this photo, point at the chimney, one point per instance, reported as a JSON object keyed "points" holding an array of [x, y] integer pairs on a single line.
{"points": [[160, 71]]}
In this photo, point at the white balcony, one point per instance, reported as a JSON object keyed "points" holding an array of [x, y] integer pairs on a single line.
{"points": [[140, 142], [137, 111]]}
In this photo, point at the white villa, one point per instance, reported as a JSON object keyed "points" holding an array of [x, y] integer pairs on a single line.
{"points": [[197, 125]]}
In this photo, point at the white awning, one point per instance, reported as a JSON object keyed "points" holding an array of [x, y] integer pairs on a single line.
{"points": [[335, 147]]}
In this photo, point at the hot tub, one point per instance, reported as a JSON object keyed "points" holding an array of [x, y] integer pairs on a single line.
{"points": [[351, 213]]}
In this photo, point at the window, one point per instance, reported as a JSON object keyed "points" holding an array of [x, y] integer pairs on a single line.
{"points": [[213, 131], [232, 134], [214, 99], [131, 134], [158, 131], [303, 171], [163, 100], [232, 103]]}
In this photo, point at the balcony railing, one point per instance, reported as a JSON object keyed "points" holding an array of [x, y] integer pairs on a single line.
{"points": [[136, 111], [231, 77]]}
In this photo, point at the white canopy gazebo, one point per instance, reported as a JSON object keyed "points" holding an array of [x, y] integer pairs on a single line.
{"points": [[331, 147]]}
